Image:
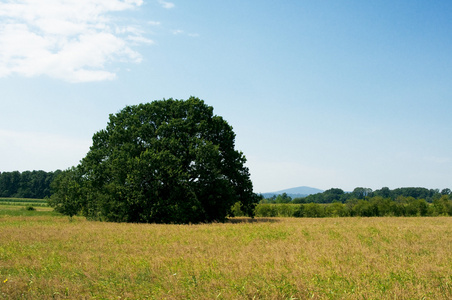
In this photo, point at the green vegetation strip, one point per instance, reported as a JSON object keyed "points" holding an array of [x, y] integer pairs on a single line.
{"points": [[23, 202], [371, 207]]}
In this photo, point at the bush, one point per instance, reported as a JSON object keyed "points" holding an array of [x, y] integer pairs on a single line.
{"points": [[236, 210], [266, 210], [336, 209]]}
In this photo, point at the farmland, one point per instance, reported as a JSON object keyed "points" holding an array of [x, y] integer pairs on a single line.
{"points": [[45, 256], [23, 202]]}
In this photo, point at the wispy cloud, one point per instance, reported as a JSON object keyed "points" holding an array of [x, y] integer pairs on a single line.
{"points": [[177, 31], [73, 40], [154, 23], [181, 32], [167, 5]]}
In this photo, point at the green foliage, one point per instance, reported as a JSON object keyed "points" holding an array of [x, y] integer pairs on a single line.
{"points": [[442, 206], [446, 191], [299, 200], [68, 196], [28, 184], [336, 209], [369, 207], [329, 196], [266, 210], [236, 210], [283, 198], [276, 210], [169, 161], [23, 202], [314, 210], [361, 193]]}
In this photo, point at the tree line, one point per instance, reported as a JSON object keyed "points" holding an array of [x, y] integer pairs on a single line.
{"points": [[364, 202], [27, 184], [338, 195], [376, 206]]}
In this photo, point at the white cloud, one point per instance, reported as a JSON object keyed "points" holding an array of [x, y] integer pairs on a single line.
{"points": [[140, 39], [181, 32], [167, 5], [73, 40]]}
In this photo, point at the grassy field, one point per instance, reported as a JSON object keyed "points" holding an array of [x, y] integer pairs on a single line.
{"points": [[49, 257], [23, 202]]}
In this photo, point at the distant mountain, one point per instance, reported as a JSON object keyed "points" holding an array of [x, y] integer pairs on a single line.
{"points": [[297, 192]]}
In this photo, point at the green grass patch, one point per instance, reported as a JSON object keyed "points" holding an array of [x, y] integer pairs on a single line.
{"points": [[23, 202], [26, 211]]}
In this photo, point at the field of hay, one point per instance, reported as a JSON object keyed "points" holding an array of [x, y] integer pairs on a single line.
{"points": [[50, 257]]}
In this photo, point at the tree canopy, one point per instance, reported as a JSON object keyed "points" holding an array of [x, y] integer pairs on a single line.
{"points": [[27, 184], [168, 161], [337, 195]]}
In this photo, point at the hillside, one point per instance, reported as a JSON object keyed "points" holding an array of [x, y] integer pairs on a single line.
{"points": [[301, 191]]}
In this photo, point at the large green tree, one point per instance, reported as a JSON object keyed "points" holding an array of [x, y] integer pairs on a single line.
{"points": [[169, 161]]}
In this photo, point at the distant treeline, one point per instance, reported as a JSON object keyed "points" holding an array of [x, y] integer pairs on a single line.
{"points": [[359, 193], [376, 206], [27, 184], [362, 202]]}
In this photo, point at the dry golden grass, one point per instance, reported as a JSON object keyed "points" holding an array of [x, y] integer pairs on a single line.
{"points": [[339, 258]]}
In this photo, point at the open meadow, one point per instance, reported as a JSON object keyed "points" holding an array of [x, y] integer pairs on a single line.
{"points": [[47, 256]]}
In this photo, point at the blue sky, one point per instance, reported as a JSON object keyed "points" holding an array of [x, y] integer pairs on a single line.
{"points": [[320, 93]]}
